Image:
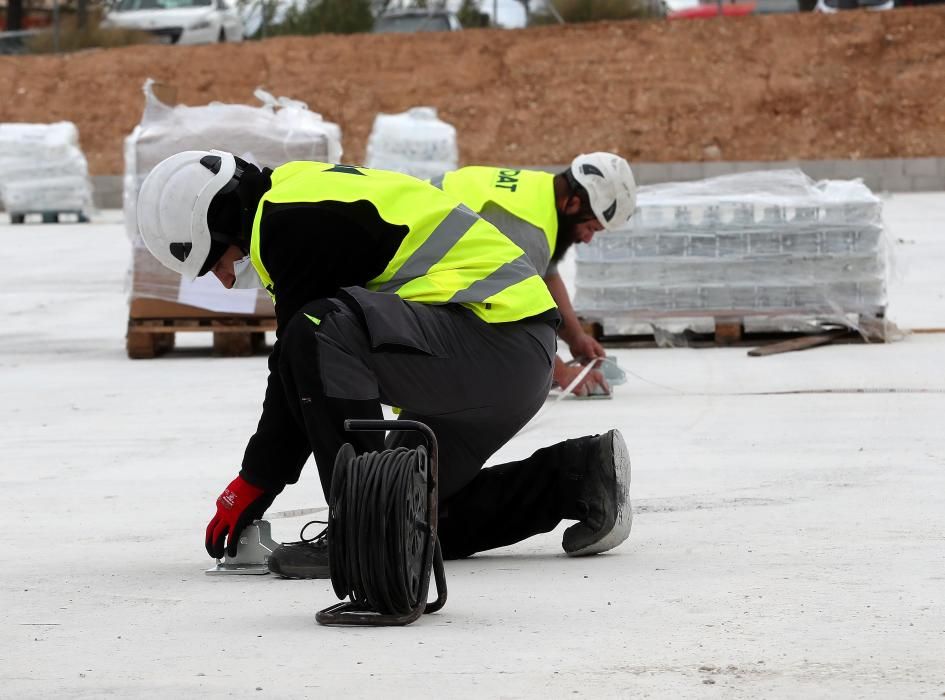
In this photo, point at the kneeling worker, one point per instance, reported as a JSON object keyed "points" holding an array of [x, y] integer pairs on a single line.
{"points": [[387, 290], [545, 214]]}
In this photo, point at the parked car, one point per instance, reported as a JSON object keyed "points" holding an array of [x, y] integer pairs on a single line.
{"points": [[709, 8], [417, 20], [832, 6], [16, 42], [179, 21], [739, 9]]}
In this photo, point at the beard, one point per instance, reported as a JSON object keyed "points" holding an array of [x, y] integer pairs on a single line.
{"points": [[567, 235]]}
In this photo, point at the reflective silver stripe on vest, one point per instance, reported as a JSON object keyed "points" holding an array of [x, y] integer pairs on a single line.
{"points": [[502, 278], [432, 250], [525, 235]]}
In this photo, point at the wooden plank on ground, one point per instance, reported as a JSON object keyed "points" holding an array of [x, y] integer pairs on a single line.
{"points": [[795, 344]]}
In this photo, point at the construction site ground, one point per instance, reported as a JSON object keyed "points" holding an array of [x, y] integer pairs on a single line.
{"points": [[785, 544], [777, 87]]}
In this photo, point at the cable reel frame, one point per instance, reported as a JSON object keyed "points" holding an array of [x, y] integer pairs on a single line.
{"points": [[341, 528]]}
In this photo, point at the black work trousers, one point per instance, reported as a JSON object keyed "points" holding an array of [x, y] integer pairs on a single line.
{"points": [[474, 384]]}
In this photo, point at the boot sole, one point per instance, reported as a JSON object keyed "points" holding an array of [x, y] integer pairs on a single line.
{"points": [[624, 520], [300, 572]]}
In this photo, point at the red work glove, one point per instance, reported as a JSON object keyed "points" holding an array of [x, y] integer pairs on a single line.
{"points": [[238, 506]]}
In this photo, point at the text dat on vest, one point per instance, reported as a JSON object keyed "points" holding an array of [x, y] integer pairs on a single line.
{"points": [[508, 179]]}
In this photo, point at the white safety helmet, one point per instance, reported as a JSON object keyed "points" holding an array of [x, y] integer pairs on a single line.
{"points": [[610, 186], [173, 204]]}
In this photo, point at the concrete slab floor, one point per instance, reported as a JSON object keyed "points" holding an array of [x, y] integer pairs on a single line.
{"points": [[784, 545]]}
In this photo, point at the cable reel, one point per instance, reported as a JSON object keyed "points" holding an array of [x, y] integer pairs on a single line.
{"points": [[382, 520]]}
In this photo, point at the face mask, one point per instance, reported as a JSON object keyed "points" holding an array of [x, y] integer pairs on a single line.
{"points": [[246, 277]]}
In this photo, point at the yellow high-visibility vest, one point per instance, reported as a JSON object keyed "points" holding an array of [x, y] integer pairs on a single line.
{"points": [[520, 203], [449, 255]]}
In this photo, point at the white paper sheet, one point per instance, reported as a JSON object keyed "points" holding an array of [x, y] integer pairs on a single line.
{"points": [[207, 292]]}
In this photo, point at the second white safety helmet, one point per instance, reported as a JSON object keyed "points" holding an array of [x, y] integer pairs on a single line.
{"points": [[610, 186], [173, 204]]}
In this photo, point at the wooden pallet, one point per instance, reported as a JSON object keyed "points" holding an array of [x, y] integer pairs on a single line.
{"points": [[232, 337], [154, 317], [730, 331], [48, 217]]}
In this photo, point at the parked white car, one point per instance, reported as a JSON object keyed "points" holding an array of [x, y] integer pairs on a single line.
{"points": [[179, 21], [416, 20], [833, 6]]}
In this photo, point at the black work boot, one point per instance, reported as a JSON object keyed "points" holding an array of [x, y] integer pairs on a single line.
{"points": [[600, 489], [303, 559]]}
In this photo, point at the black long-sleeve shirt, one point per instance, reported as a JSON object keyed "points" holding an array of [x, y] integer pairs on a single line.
{"points": [[310, 251]]}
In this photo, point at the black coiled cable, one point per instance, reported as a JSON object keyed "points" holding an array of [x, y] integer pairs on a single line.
{"points": [[378, 527]]}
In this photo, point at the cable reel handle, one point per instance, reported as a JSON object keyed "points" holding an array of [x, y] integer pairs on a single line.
{"points": [[357, 424]]}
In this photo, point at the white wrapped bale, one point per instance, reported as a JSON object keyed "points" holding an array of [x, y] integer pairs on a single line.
{"points": [[37, 141], [775, 247], [70, 193], [277, 132], [414, 142], [72, 162], [43, 170]]}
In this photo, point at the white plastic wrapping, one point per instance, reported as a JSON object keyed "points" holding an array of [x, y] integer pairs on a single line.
{"points": [[42, 169], [414, 142], [70, 193], [277, 132], [763, 244], [39, 141], [72, 162]]}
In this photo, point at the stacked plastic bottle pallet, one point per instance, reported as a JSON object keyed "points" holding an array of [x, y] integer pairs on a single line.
{"points": [[43, 172], [758, 244], [415, 142]]}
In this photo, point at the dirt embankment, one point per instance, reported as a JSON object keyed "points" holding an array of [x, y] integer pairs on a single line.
{"points": [[854, 85]]}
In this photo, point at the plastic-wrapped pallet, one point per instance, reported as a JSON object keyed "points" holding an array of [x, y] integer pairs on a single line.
{"points": [[278, 131], [414, 142], [774, 248], [43, 170]]}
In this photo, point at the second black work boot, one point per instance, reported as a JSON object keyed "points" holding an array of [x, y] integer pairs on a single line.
{"points": [[304, 559], [602, 496]]}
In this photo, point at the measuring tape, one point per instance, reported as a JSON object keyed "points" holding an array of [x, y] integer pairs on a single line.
{"points": [[294, 513]]}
